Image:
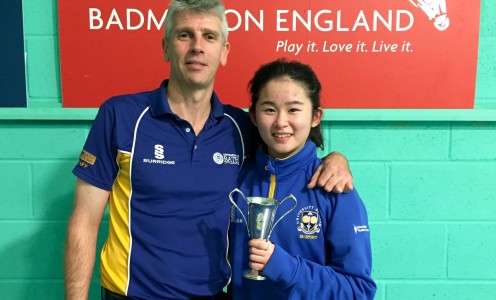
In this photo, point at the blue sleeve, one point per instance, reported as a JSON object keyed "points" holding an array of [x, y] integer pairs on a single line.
{"points": [[347, 273], [97, 163]]}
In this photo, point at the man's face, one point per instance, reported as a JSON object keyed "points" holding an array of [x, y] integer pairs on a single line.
{"points": [[195, 49]]}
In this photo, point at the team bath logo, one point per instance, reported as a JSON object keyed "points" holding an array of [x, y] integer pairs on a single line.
{"points": [[225, 158], [308, 220]]}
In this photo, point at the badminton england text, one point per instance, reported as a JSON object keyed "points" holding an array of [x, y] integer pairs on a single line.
{"points": [[285, 20]]}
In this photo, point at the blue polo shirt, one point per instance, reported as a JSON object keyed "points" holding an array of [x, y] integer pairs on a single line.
{"points": [[169, 205]]}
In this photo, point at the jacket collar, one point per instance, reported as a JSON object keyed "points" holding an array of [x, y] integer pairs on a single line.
{"points": [[286, 167]]}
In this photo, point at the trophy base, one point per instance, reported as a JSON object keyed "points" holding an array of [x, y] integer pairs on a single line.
{"points": [[253, 275]]}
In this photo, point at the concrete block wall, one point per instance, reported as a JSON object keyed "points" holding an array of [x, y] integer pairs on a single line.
{"points": [[429, 187], [430, 194], [36, 159]]}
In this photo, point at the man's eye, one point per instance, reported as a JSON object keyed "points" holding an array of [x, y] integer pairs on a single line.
{"points": [[183, 36], [211, 37]]}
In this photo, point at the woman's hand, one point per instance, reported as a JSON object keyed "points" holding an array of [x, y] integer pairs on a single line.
{"points": [[260, 252]]}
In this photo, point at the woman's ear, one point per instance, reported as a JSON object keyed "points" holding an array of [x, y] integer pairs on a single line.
{"points": [[253, 117], [317, 117]]}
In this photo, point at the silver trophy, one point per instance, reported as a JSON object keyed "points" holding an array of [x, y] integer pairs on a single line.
{"points": [[261, 213]]}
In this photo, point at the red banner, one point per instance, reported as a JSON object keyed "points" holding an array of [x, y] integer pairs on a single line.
{"points": [[367, 54]]}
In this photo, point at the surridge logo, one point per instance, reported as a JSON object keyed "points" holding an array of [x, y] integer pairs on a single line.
{"points": [[159, 153], [233, 216], [226, 158]]}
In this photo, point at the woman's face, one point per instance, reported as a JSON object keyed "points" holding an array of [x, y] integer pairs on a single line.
{"points": [[284, 116]]}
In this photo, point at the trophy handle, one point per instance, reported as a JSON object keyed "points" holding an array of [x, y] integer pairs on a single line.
{"points": [[237, 207], [278, 204]]}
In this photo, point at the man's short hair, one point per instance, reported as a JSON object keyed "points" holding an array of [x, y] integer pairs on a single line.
{"points": [[214, 7]]}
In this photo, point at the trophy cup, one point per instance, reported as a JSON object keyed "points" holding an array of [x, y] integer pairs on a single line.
{"points": [[261, 213]]}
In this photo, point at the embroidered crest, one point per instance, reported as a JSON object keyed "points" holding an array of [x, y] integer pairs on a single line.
{"points": [[308, 221]]}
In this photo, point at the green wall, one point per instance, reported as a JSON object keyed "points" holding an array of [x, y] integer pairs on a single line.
{"points": [[428, 180]]}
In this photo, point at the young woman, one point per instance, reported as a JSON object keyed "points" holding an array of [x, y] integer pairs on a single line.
{"points": [[321, 249]]}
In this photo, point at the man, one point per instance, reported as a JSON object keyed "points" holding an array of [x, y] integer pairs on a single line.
{"points": [[166, 161]]}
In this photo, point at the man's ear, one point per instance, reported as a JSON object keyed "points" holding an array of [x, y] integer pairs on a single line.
{"points": [[165, 46], [224, 54]]}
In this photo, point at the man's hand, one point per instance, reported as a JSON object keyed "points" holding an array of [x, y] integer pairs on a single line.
{"points": [[333, 174]]}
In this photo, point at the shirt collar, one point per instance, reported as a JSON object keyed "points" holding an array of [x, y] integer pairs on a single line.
{"points": [[159, 105]]}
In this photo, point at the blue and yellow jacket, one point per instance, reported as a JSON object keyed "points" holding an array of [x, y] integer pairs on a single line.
{"points": [[322, 246]]}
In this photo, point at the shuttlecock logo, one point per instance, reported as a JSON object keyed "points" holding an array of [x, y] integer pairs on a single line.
{"points": [[435, 10]]}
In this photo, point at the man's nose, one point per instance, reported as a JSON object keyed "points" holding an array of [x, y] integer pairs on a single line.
{"points": [[197, 44]]}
